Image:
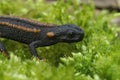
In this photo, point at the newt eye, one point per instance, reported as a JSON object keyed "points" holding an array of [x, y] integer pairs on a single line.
{"points": [[71, 35]]}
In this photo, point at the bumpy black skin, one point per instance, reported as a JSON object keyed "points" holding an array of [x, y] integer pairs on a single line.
{"points": [[64, 33]]}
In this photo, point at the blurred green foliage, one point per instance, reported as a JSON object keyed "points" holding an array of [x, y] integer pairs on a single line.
{"points": [[95, 58]]}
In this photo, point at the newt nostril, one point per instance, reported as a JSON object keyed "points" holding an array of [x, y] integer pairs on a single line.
{"points": [[81, 35]]}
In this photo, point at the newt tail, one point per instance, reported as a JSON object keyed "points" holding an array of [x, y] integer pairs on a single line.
{"points": [[37, 34]]}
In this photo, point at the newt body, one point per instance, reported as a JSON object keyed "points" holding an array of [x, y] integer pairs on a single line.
{"points": [[37, 34]]}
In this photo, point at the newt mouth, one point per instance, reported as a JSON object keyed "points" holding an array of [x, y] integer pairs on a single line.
{"points": [[72, 40]]}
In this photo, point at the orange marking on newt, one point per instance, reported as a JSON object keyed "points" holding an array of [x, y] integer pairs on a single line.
{"points": [[20, 27], [50, 34]]}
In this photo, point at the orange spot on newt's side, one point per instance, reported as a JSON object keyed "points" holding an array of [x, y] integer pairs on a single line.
{"points": [[50, 34]]}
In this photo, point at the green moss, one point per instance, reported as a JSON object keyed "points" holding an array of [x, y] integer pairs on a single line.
{"points": [[95, 58]]}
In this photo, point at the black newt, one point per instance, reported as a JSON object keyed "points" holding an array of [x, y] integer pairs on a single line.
{"points": [[37, 34]]}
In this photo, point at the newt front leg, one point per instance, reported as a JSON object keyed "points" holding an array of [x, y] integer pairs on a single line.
{"points": [[33, 47]]}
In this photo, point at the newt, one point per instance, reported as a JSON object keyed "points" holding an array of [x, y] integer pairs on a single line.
{"points": [[36, 34]]}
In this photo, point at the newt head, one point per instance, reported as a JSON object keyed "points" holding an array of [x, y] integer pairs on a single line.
{"points": [[69, 33]]}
